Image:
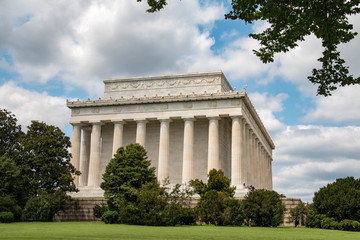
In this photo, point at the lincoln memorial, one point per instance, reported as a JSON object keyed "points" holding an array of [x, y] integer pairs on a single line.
{"points": [[188, 123]]}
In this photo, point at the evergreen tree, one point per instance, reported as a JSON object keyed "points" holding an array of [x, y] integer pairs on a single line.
{"points": [[339, 200]]}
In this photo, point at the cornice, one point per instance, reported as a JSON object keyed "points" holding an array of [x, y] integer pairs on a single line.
{"points": [[156, 99]]}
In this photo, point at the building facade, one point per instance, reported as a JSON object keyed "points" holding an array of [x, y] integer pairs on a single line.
{"points": [[188, 123]]}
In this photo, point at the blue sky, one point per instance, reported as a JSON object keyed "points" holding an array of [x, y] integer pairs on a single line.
{"points": [[51, 51]]}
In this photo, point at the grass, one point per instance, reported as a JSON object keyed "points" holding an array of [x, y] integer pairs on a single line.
{"points": [[99, 230]]}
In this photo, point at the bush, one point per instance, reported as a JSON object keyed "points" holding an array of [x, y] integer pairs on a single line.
{"points": [[110, 217], [8, 204], [37, 209], [339, 200], [298, 213], [313, 220], [264, 208], [349, 225], [233, 213], [99, 210], [6, 217], [329, 223]]}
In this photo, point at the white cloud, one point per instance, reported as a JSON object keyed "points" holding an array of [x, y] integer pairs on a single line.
{"points": [[342, 107], [28, 106], [266, 106]]}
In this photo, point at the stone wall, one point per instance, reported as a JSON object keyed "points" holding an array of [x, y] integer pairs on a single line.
{"points": [[289, 204], [84, 210]]}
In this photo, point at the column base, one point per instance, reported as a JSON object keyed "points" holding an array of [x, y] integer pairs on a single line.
{"points": [[87, 191]]}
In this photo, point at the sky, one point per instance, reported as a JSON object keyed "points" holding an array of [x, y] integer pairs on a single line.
{"points": [[51, 51]]}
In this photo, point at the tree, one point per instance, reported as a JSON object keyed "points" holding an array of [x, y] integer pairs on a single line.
{"points": [[132, 190], [290, 22], [10, 133], [339, 200], [48, 170], [45, 152], [264, 208], [217, 205], [126, 173], [217, 181], [298, 214]]}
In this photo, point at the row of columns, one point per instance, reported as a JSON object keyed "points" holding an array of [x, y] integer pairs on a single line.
{"points": [[250, 163]]}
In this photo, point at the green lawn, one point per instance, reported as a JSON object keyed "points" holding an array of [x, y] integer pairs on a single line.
{"points": [[99, 230]]}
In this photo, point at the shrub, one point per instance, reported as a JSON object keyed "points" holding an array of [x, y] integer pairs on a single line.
{"points": [[8, 204], [233, 213], [349, 225], [99, 210], [6, 217], [264, 208], [313, 219], [110, 217], [298, 213], [37, 209], [328, 223], [339, 200]]}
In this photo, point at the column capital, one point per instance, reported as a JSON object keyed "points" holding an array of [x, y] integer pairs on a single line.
{"points": [[237, 116], [164, 119], [121, 121], [76, 123], [213, 117], [193, 119], [139, 120], [96, 123]]}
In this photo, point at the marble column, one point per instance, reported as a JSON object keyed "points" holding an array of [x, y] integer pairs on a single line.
{"points": [[85, 156], [236, 152], [188, 152], [141, 131], [248, 155], [270, 173], [118, 136], [94, 166], [75, 149], [257, 163], [164, 150], [213, 144]]}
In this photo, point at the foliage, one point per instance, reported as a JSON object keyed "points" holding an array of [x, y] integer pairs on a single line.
{"points": [[313, 219], [10, 177], [339, 200], [298, 214], [8, 204], [35, 165], [110, 217], [46, 152], [126, 173], [6, 217], [99, 210], [10, 133], [219, 209], [216, 205], [37, 209], [290, 22], [217, 181], [349, 225], [264, 208], [131, 189]]}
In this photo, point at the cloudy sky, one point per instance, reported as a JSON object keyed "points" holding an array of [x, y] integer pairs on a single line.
{"points": [[51, 51]]}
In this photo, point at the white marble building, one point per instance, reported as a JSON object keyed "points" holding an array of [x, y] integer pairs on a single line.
{"points": [[188, 123]]}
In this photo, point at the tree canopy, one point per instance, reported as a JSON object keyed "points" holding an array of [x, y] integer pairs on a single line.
{"points": [[339, 200], [290, 22], [35, 168]]}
